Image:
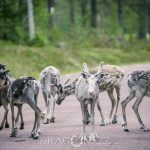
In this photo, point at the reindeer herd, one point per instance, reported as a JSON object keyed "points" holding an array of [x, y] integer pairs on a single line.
{"points": [[87, 87]]}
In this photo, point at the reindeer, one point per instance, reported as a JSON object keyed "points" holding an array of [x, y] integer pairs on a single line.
{"points": [[50, 80], [87, 92], [139, 86], [5, 82], [25, 90], [110, 79]]}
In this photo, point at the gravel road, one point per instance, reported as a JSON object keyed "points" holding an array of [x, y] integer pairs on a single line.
{"points": [[64, 133]]}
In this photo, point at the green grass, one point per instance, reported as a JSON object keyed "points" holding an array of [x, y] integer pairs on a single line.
{"points": [[25, 60]]}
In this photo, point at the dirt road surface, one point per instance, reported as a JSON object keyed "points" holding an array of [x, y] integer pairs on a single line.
{"points": [[64, 133]]}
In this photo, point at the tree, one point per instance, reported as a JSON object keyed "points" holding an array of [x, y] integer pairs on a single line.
{"points": [[94, 13], [72, 11], [106, 7], [20, 10], [120, 4], [51, 8], [30, 19], [143, 19], [84, 4]]}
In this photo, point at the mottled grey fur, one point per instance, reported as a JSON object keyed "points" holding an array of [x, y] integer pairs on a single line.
{"points": [[110, 79], [50, 80], [87, 92], [24, 90], [139, 86], [5, 81]]}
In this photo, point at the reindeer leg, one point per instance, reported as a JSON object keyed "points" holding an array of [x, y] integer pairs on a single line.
{"points": [[48, 116], [83, 137], [5, 105], [6, 123], [21, 116], [53, 101], [4, 118], [114, 121], [14, 129], [100, 110], [113, 102], [32, 103], [17, 118], [93, 134], [135, 107], [44, 113], [124, 104], [87, 115]]}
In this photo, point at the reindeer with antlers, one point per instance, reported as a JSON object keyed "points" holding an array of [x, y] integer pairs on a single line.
{"points": [[109, 80], [87, 92]]}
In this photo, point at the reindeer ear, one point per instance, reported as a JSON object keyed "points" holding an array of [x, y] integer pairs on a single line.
{"points": [[84, 74], [102, 74]]}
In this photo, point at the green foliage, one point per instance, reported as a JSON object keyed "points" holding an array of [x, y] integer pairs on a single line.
{"points": [[24, 60], [67, 45], [13, 24]]}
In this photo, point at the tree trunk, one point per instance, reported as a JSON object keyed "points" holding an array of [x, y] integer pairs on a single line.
{"points": [[143, 19], [30, 20], [51, 8], [84, 4], [20, 10], [120, 4], [106, 8], [94, 13], [72, 15]]}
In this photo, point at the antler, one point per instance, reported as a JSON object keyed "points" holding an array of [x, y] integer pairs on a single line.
{"points": [[85, 69], [67, 81], [100, 68]]}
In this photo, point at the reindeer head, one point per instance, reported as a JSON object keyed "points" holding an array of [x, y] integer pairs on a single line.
{"points": [[3, 76], [92, 80], [61, 94]]}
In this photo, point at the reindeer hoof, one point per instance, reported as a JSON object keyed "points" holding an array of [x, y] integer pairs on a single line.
{"points": [[102, 124], [87, 122], [83, 139], [52, 119], [21, 126], [1, 128], [6, 125], [144, 129], [114, 121], [47, 121], [126, 130], [35, 137], [13, 134]]}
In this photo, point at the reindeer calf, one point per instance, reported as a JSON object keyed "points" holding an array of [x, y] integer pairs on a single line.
{"points": [[25, 90], [139, 86], [50, 80]]}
